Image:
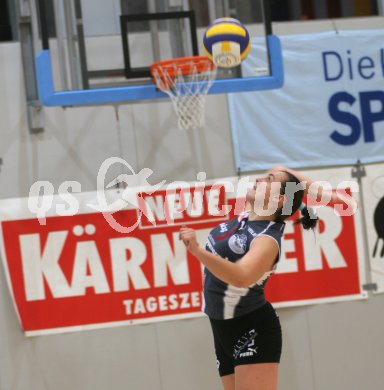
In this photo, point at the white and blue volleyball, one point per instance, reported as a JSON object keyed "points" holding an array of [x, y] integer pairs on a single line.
{"points": [[226, 42]]}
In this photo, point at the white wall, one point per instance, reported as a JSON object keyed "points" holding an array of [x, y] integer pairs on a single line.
{"points": [[326, 347]]}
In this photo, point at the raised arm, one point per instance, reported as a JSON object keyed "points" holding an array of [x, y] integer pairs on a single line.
{"points": [[317, 191]]}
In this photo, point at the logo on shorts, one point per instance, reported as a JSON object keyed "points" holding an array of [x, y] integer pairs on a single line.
{"points": [[238, 243], [217, 363], [245, 346], [251, 350]]}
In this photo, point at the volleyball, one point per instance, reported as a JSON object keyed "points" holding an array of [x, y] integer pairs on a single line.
{"points": [[226, 42]]}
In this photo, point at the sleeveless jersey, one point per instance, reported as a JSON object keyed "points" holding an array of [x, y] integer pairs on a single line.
{"points": [[231, 240]]}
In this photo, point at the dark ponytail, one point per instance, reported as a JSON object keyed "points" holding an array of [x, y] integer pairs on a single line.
{"points": [[309, 218], [296, 194]]}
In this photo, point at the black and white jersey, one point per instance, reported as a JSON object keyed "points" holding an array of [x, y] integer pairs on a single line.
{"points": [[231, 240]]}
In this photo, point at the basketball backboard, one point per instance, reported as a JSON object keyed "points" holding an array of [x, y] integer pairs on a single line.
{"points": [[99, 52]]}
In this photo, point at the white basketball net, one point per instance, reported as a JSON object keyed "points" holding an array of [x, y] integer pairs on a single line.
{"points": [[187, 91]]}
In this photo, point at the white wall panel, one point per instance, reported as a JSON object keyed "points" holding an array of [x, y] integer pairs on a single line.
{"points": [[181, 344], [347, 343], [296, 363]]}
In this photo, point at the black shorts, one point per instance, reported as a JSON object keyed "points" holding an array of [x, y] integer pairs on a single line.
{"points": [[252, 338]]}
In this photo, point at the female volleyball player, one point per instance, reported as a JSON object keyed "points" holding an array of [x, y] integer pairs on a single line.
{"points": [[239, 257]]}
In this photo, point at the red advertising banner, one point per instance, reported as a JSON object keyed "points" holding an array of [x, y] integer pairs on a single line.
{"points": [[318, 266], [78, 271]]}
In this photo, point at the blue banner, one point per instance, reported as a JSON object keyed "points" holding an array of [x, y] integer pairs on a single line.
{"points": [[329, 112]]}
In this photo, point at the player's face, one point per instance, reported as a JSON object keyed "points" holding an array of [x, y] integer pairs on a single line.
{"points": [[267, 188]]}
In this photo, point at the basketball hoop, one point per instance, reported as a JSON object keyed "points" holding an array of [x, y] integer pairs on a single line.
{"points": [[186, 81]]}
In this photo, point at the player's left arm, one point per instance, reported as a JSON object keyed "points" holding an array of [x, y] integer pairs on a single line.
{"points": [[245, 272]]}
